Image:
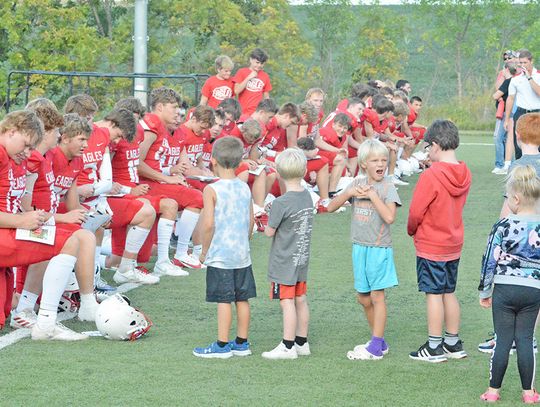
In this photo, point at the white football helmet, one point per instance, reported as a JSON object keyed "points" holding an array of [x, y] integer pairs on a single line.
{"points": [[71, 299], [116, 319]]}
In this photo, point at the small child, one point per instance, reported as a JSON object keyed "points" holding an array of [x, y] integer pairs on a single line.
{"points": [[436, 224], [290, 224], [510, 282], [374, 199], [229, 277]]}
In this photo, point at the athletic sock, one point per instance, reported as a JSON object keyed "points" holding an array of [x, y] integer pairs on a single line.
{"points": [[375, 346], [288, 344], [27, 301], [300, 340], [185, 226], [434, 341], [197, 250], [384, 345], [451, 339], [164, 231], [507, 164], [126, 264], [88, 300], [240, 341], [222, 344], [136, 236], [55, 280]]}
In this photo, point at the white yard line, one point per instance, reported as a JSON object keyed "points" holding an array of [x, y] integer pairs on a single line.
{"points": [[18, 334]]}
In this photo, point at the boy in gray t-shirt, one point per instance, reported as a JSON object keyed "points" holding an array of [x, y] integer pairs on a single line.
{"points": [[290, 223]]}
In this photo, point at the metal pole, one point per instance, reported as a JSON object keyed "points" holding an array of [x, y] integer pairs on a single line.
{"points": [[140, 54]]}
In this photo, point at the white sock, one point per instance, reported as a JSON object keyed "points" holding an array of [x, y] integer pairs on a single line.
{"points": [[27, 301], [164, 232], [197, 250], [135, 238], [126, 264], [88, 300], [55, 280], [507, 164], [185, 226]]}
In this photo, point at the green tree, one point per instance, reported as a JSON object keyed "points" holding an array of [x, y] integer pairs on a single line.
{"points": [[378, 48]]}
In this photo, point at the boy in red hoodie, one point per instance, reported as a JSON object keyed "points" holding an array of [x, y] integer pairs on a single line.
{"points": [[436, 224]]}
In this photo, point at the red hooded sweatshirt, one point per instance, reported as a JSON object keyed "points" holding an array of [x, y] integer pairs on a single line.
{"points": [[435, 216]]}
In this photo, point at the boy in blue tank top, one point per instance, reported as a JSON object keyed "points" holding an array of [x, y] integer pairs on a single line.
{"points": [[227, 224]]}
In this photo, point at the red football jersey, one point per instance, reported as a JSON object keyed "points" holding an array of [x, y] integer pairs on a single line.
{"points": [[329, 135], [125, 162], [276, 137], [93, 155], [217, 90], [65, 171], [192, 143], [329, 122], [250, 97], [412, 116], [155, 158], [12, 182], [342, 105], [371, 117], [44, 195]]}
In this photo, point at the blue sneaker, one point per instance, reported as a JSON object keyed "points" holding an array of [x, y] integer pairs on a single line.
{"points": [[240, 349], [214, 351]]}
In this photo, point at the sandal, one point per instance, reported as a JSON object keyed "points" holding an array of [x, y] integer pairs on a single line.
{"points": [[531, 399], [490, 397]]}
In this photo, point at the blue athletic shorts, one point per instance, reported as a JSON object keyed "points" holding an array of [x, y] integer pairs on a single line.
{"points": [[436, 277], [373, 268]]}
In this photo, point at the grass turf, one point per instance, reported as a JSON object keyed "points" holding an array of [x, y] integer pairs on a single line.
{"points": [[160, 369]]}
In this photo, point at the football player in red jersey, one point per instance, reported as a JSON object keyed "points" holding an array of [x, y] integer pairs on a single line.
{"points": [[20, 131], [41, 193], [252, 84], [219, 87], [332, 144], [168, 180]]}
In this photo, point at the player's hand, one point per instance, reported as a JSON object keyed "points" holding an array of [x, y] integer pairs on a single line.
{"points": [[116, 188], [485, 302], [343, 151], [141, 189], [32, 220], [252, 164], [86, 191], [172, 179], [77, 216], [179, 168]]}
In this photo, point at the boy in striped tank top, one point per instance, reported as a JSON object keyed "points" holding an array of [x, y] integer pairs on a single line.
{"points": [[227, 224]]}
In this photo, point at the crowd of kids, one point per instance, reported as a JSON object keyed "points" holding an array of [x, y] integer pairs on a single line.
{"points": [[78, 195]]}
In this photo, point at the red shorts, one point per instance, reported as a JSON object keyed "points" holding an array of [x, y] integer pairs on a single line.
{"points": [[186, 197], [314, 165], [353, 152], [6, 294], [124, 209], [22, 252], [330, 156], [286, 292], [195, 183]]}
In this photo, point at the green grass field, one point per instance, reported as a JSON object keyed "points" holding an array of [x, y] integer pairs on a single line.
{"points": [[160, 369]]}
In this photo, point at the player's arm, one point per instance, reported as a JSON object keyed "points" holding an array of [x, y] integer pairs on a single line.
{"points": [[406, 129], [105, 183], [26, 220], [323, 145], [368, 128], [207, 220], [302, 130], [292, 131], [26, 200], [204, 101], [239, 87]]}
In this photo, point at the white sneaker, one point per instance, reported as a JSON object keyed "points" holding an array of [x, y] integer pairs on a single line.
{"points": [[88, 312], [25, 319], [302, 350], [398, 181], [187, 261], [361, 353], [134, 275], [57, 333], [281, 352], [365, 345], [500, 171], [166, 268]]}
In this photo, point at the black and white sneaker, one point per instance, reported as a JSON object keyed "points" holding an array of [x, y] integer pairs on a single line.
{"points": [[426, 354], [454, 351]]}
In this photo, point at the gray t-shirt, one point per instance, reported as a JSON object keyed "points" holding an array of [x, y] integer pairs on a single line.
{"points": [[367, 227], [527, 159], [292, 217]]}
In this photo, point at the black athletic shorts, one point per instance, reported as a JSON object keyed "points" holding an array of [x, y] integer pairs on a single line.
{"points": [[229, 285]]}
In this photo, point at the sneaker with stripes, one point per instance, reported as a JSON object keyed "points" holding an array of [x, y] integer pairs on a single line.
{"points": [[426, 354]]}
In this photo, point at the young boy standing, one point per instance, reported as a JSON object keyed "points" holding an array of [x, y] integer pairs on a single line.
{"points": [[219, 87], [290, 224], [436, 224], [229, 277], [252, 84]]}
